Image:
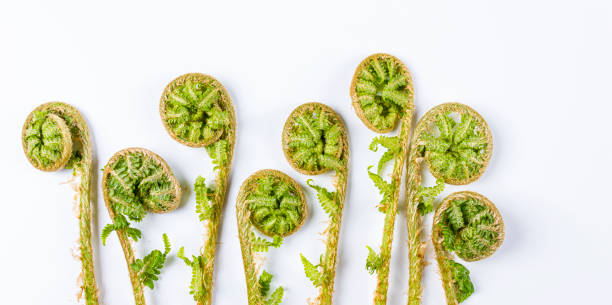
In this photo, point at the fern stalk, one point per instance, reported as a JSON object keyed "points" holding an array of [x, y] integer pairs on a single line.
{"points": [[197, 111], [137, 181], [382, 83], [264, 183], [315, 141], [458, 153], [56, 136]]}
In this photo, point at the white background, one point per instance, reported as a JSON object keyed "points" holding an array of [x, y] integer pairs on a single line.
{"points": [[538, 71]]}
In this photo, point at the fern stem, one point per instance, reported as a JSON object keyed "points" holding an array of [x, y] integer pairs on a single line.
{"points": [[77, 154], [331, 242], [417, 154], [382, 285], [131, 176], [218, 119]]}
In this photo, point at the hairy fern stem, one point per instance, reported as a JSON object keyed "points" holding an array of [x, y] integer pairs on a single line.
{"points": [[197, 111], [275, 204], [56, 136], [393, 102], [315, 141], [456, 153], [137, 181]]}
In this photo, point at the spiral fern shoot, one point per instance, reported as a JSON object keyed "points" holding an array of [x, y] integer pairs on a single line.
{"points": [[382, 95], [275, 204], [469, 225], [456, 143], [381, 91], [197, 111], [315, 141], [137, 181], [56, 136]]}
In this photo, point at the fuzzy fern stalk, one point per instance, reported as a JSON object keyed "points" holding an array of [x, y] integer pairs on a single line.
{"points": [[56, 136], [197, 111], [275, 204], [456, 143], [469, 225], [382, 95], [137, 181], [315, 141]]}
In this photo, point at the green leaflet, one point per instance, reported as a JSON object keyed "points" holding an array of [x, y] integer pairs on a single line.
{"points": [[386, 189], [458, 151], [120, 223], [204, 205], [194, 112], [264, 287], [312, 271], [196, 288], [382, 89], [461, 280], [315, 141], [392, 144], [149, 268], [374, 261], [276, 206], [219, 152], [326, 198], [260, 244], [427, 195]]}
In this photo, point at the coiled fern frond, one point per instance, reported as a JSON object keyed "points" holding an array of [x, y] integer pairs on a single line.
{"points": [[136, 181], [275, 204], [315, 141], [312, 140], [469, 225], [382, 95], [456, 143], [381, 91], [56, 136], [197, 111]]}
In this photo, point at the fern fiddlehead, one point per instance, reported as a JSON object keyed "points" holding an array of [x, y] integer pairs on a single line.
{"points": [[382, 95], [315, 141], [457, 151], [470, 225], [56, 136], [275, 204], [137, 181], [197, 111]]}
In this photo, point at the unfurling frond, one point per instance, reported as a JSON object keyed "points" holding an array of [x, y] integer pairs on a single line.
{"points": [[120, 223], [326, 199], [264, 288], [261, 244], [386, 189], [461, 280], [312, 272], [373, 262], [427, 195], [149, 268], [204, 205]]}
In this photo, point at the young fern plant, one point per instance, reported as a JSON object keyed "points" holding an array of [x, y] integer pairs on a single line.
{"points": [[315, 141], [56, 136], [470, 225], [197, 111], [456, 144], [275, 204], [137, 181], [382, 95]]}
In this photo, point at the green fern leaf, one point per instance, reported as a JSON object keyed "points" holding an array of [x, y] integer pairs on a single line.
{"points": [[373, 262], [149, 268], [326, 199], [312, 272], [260, 244], [204, 207]]}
